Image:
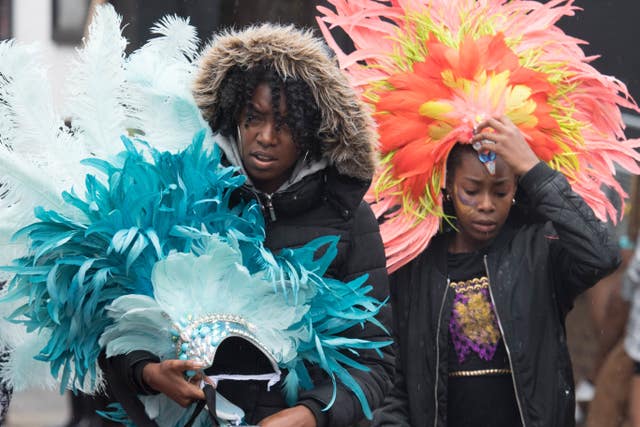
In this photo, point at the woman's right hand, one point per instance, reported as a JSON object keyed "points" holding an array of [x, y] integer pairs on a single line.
{"points": [[168, 377], [507, 141]]}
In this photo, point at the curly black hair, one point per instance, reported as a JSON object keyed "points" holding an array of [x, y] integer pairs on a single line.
{"points": [[302, 117]]}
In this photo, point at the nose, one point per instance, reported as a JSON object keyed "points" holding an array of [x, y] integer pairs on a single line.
{"points": [[268, 134], [486, 203]]}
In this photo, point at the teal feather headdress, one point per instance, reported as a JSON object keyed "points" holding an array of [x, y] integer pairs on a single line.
{"points": [[156, 220]]}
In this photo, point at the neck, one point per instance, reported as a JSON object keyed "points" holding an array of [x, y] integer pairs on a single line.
{"points": [[460, 244]]}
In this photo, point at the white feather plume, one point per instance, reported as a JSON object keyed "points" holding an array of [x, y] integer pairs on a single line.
{"points": [[160, 76], [37, 156], [31, 127], [23, 188], [20, 370], [178, 37], [96, 101], [26, 105]]}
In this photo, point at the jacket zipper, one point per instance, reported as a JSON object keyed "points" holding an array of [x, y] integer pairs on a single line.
{"points": [[506, 346], [269, 206], [435, 392]]}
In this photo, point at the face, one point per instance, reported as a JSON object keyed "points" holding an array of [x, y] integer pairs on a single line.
{"points": [[481, 201], [268, 153]]}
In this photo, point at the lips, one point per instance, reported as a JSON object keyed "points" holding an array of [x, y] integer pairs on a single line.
{"points": [[263, 157], [262, 160], [485, 226]]}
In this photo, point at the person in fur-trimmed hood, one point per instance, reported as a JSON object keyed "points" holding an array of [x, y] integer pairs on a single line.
{"points": [[285, 115]]}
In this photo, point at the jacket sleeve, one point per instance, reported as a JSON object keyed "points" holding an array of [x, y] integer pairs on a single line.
{"points": [[365, 256], [394, 411], [582, 248], [123, 376], [128, 370]]}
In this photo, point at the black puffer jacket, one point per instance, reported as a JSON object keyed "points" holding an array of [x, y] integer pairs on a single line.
{"points": [[535, 272]]}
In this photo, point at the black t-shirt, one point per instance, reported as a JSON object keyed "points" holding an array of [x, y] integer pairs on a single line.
{"points": [[475, 344]]}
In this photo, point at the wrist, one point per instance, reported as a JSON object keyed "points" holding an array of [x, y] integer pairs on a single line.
{"points": [[138, 383], [306, 416], [148, 373], [314, 408], [296, 416], [527, 166]]}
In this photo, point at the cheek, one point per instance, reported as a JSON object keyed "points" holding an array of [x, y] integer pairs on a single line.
{"points": [[292, 150], [505, 207], [245, 135], [464, 200], [247, 138]]}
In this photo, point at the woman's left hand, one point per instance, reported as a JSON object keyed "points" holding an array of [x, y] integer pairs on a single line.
{"points": [[508, 143], [297, 416]]}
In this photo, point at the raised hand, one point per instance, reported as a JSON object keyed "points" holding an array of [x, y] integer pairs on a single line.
{"points": [[507, 142]]}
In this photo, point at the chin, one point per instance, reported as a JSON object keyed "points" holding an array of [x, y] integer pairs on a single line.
{"points": [[257, 174]]}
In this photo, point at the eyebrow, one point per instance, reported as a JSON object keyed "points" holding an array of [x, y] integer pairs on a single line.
{"points": [[479, 180]]}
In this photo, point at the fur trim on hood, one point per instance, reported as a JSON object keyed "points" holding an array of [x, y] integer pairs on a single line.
{"points": [[348, 136]]}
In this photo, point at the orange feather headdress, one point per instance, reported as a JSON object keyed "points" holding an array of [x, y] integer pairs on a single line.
{"points": [[433, 69]]}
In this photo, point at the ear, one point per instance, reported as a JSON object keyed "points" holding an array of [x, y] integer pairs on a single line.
{"points": [[446, 194], [448, 209]]}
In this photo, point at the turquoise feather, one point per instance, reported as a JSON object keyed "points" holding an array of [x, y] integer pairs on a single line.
{"points": [[124, 239], [139, 213]]}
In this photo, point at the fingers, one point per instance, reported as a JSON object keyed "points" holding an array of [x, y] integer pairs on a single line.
{"points": [[183, 365], [186, 368], [193, 365], [501, 136], [168, 377], [195, 392], [188, 393], [493, 123], [495, 130]]}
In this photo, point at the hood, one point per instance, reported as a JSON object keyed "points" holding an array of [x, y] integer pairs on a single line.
{"points": [[348, 136]]}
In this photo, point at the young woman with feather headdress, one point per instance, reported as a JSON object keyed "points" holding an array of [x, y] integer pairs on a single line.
{"points": [[244, 258], [497, 140]]}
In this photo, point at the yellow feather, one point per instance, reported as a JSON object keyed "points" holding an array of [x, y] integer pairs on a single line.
{"points": [[435, 109]]}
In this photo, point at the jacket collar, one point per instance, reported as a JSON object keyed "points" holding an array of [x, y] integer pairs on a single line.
{"points": [[327, 186]]}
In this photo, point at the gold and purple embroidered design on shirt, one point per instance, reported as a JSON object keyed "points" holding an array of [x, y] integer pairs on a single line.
{"points": [[473, 324]]}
